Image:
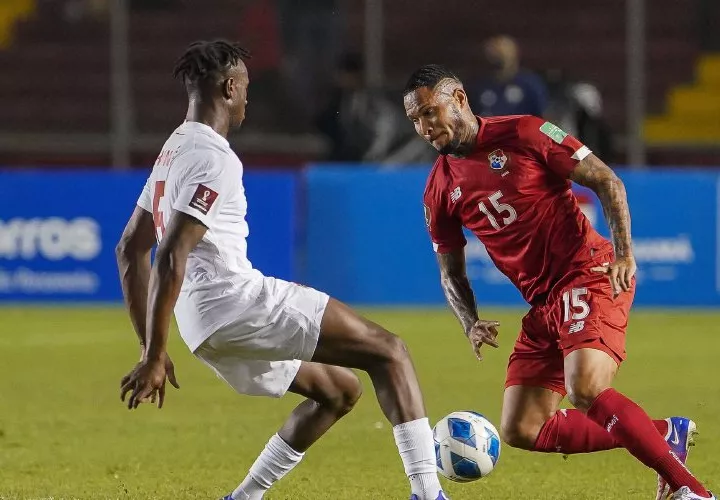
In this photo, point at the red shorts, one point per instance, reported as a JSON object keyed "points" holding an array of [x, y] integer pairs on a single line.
{"points": [[579, 313]]}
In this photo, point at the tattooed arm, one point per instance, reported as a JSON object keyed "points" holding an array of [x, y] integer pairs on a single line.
{"points": [[591, 172], [460, 297]]}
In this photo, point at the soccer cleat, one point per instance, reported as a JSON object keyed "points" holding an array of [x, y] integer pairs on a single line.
{"points": [[441, 496], [685, 493], [680, 437]]}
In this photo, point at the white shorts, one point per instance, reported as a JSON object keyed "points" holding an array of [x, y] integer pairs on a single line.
{"points": [[259, 354]]}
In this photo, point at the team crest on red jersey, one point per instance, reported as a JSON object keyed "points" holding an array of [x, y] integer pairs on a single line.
{"points": [[497, 159]]}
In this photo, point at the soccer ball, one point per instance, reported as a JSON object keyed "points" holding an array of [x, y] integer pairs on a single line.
{"points": [[467, 446]]}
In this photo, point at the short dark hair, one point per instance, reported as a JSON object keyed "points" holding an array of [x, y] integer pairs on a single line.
{"points": [[428, 76], [205, 58]]}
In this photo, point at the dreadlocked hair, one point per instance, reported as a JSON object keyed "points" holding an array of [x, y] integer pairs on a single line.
{"points": [[203, 59], [428, 76]]}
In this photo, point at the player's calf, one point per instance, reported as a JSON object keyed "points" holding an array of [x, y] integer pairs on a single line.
{"points": [[331, 393], [347, 339], [525, 411]]}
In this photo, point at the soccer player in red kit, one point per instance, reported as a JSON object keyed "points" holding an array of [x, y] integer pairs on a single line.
{"points": [[507, 179]]}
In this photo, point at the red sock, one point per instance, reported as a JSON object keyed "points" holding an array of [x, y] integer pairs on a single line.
{"points": [[571, 431], [630, 426]]}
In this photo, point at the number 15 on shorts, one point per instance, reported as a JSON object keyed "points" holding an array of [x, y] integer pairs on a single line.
{"points": [[575, 308]]}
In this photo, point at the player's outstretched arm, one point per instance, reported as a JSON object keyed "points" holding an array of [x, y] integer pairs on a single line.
{"points": [[455, 284], [133, 261], [147, 380], [596, 175], [183, 234], [460, 297]]}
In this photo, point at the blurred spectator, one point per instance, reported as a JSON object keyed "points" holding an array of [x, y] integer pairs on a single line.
{"points": [[363, 124], [708, 15], [153, 4], [311, 40], [78, 10], [576, 107], [508, 90]]}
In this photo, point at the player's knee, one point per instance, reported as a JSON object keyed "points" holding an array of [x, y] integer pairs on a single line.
{"points": [[351, 393], [582, 395], [520, 435], [343, 396], [396, 349], [387, 347]]}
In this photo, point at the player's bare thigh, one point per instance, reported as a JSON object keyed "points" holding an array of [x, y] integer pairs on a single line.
{"points": [[525, 410], [348, 339]]}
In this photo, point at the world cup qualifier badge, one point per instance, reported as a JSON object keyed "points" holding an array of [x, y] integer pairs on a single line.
{"points": [[203, 199], [497, 159]]}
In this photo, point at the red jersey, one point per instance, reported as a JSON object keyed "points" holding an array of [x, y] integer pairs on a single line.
{"points": [[513, 192]]}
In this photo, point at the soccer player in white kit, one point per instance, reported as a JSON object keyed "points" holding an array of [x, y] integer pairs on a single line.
{"points": [[262, 335]]}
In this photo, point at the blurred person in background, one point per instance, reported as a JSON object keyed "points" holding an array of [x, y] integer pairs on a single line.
{"points": [[577, 108], [506, 89], [362, 124], [311, 37]]}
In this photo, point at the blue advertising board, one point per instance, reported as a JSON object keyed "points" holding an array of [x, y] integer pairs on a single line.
{"points": [[361, 235], [367, 242], [58, 230]]}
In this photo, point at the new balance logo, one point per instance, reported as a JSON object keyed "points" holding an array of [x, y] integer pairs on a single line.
{"points": [[576, 327], [455, 194]]}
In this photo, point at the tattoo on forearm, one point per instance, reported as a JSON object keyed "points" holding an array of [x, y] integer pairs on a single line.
{"points": [[456, 286], [594, 174]]}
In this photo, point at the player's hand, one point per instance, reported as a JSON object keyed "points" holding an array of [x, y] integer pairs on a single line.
{"points": [[483, 332], [147, 382], [620, 273]]}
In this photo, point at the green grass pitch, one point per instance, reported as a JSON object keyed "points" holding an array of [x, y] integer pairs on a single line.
{"points": [[65, 434]]}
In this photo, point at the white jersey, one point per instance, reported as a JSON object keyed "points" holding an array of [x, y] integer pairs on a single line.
{"points": [[197, 173]]}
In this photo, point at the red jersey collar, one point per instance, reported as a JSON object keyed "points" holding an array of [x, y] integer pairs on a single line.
{"points": [[481, 122]]}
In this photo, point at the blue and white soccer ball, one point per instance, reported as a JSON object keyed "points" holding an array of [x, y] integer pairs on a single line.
{"points": [[467, 446]]}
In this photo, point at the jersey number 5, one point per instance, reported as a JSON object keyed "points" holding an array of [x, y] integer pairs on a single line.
{"points": [[157, 214], [504, 210]]}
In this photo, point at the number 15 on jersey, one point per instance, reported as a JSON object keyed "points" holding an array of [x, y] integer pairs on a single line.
{"points": [[505, 212]]}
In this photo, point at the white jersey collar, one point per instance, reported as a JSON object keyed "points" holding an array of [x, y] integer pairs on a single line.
{"points": [[201, 127]]}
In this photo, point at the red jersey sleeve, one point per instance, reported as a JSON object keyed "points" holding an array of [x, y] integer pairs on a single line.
{"points": [[558, 151], [445, 229]]}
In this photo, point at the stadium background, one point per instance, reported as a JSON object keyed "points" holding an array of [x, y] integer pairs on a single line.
{"points": [[86, 101]]}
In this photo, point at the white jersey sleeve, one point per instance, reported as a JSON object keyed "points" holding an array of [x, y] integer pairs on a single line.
{"points": [[206, 186], [144, 200]]}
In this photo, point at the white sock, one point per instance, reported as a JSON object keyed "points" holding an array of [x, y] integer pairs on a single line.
{"points": [[276, 460], [417, 450]]}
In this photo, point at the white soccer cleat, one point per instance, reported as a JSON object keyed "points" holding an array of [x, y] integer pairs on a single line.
{"points": [[684, 493]]}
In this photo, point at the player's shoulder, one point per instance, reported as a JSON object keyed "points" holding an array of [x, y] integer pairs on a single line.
{"points": [[209, 156], [511, 125], [437, 179], [520, 128]]}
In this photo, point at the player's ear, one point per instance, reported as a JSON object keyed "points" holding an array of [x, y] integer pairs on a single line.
{"points": [[460, 96], [228, 88]]}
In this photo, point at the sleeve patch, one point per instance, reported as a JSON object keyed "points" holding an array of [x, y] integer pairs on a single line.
{"points": [[203, 199], [427, 215], [553, 132]]}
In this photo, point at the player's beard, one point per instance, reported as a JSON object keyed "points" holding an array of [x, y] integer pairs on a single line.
{"points": [[451, 147], [455, 145]]}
